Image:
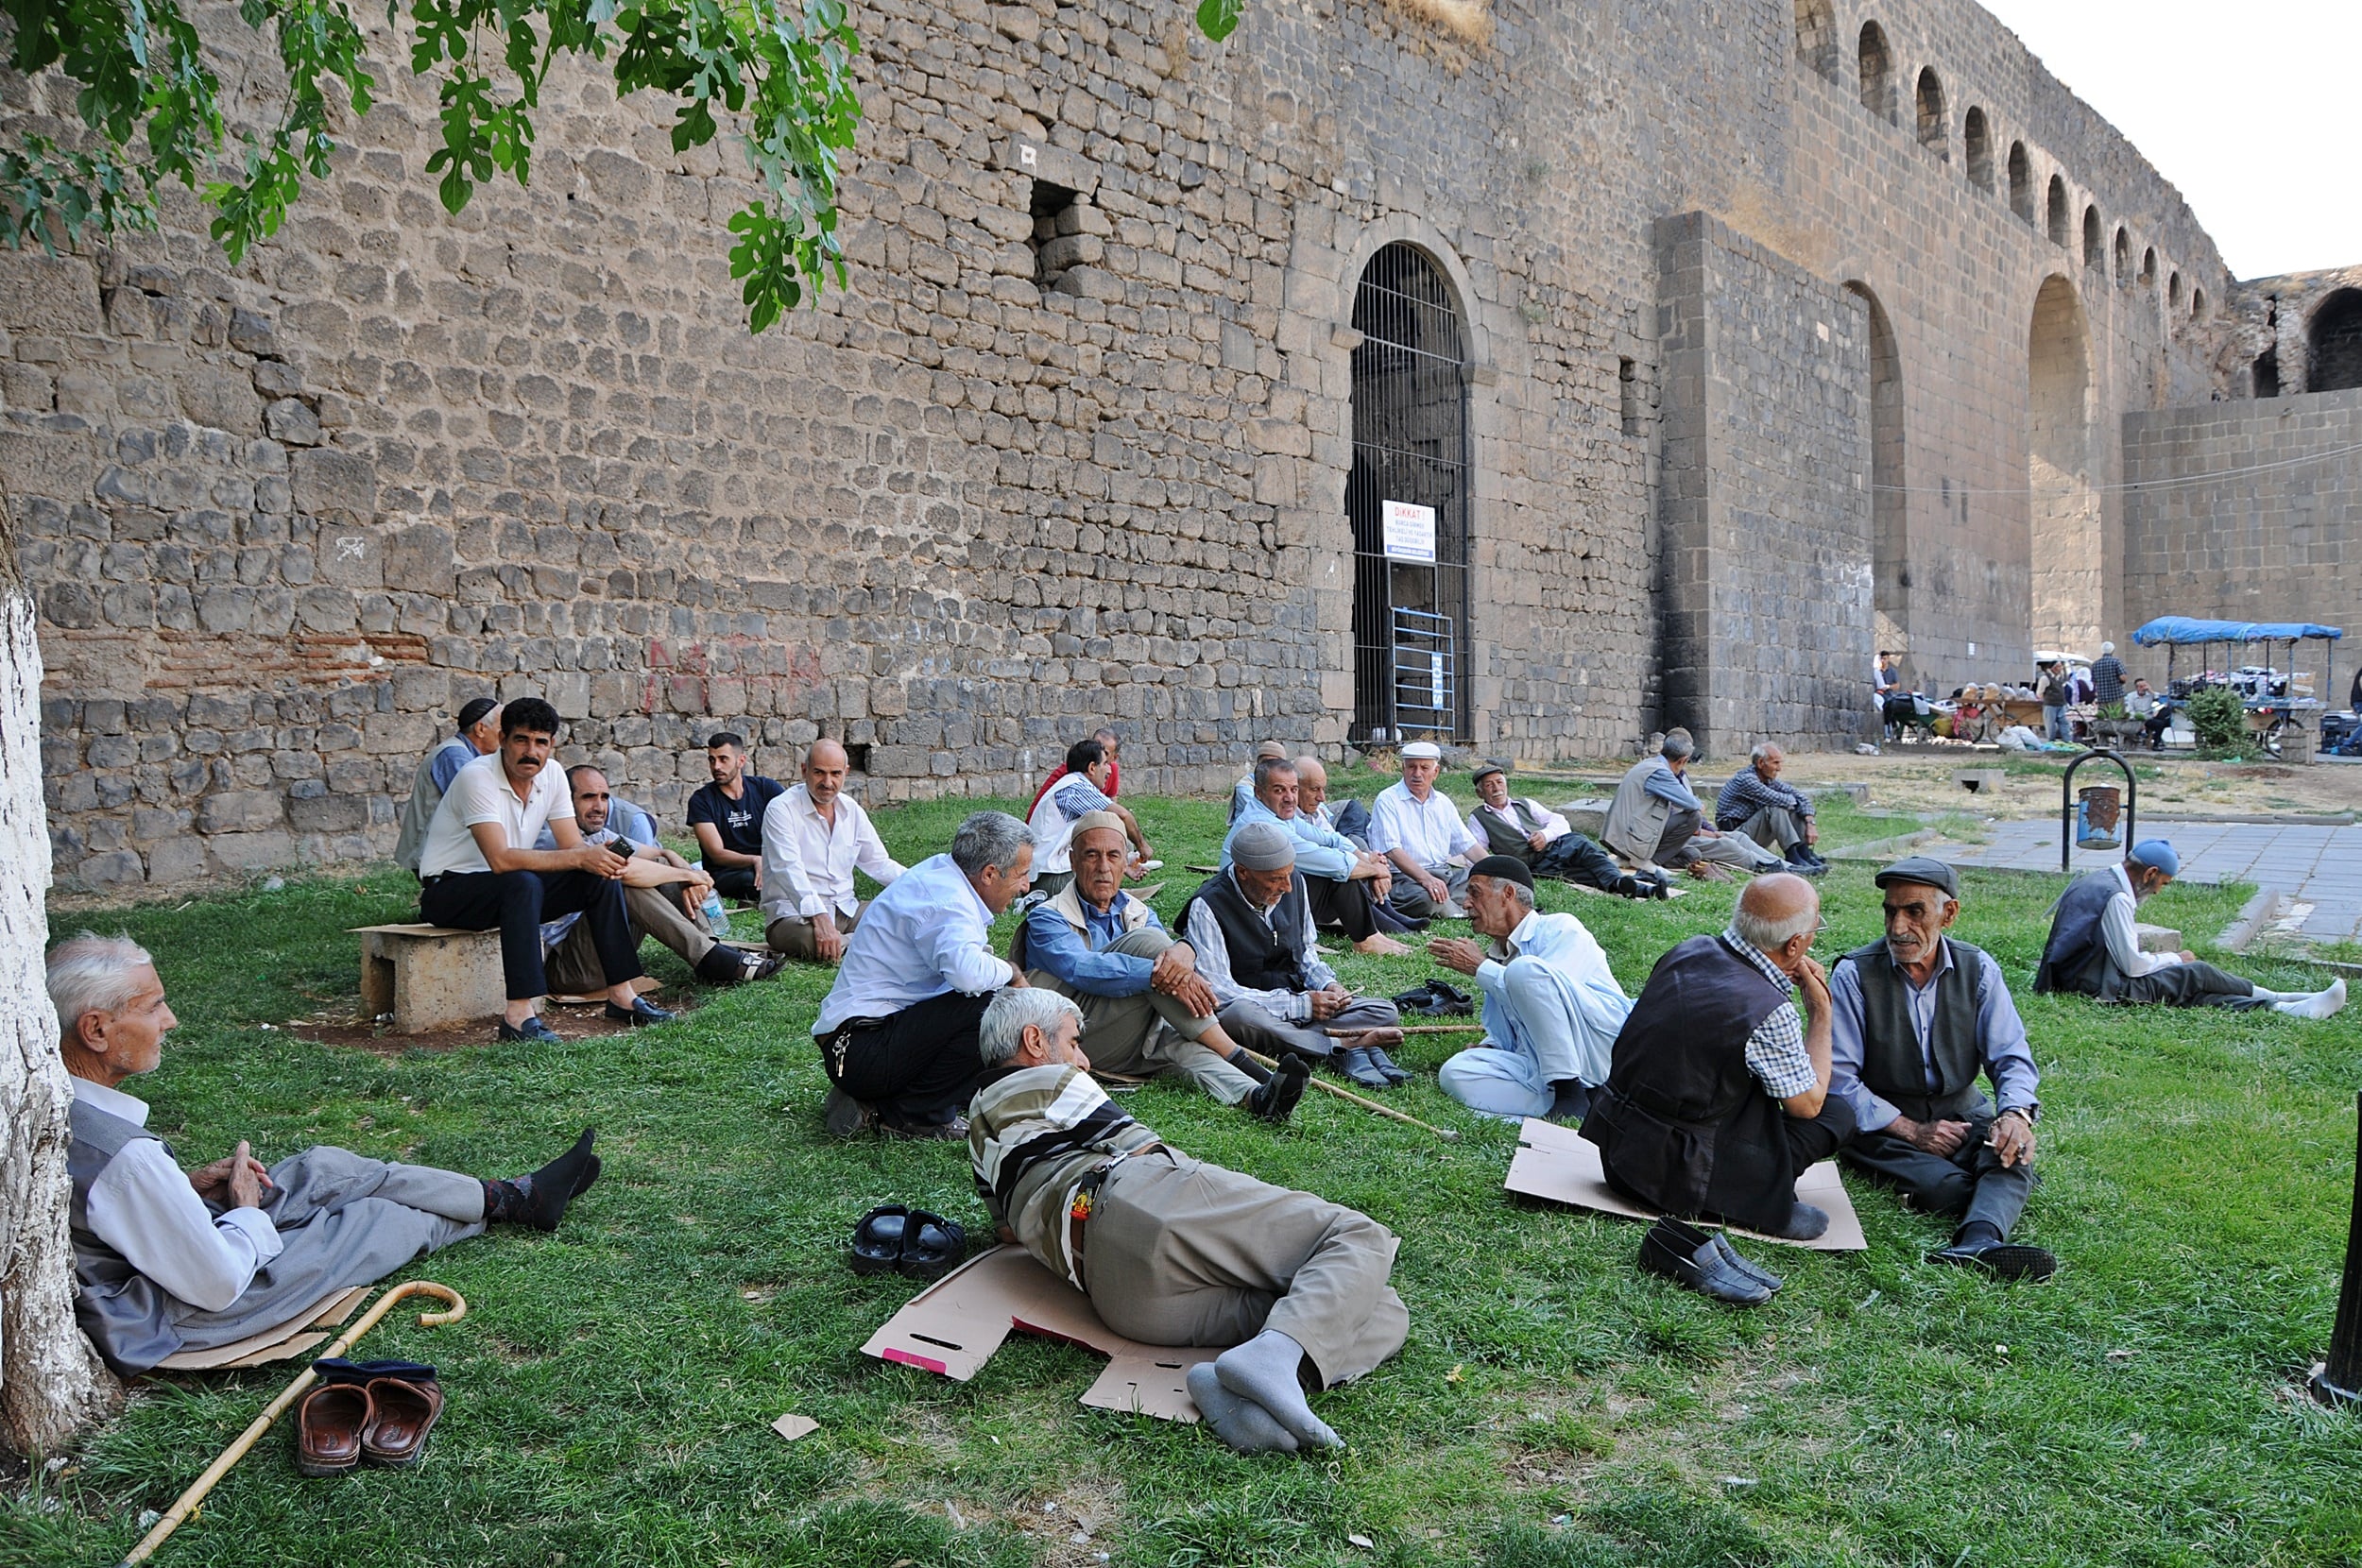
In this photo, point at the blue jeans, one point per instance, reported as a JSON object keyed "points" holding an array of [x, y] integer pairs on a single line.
{"points": [[2054, 726]]}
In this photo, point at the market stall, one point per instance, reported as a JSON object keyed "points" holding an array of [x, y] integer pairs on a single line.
{"points": [[2278, 704]]}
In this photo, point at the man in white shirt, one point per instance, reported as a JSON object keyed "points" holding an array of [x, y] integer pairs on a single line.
{"points": [[1081, 792], [814, 837], [479, 870], [478, 731], [168, 1260], [1552, 1008], [1415, 826], [1347, 884], [897, 1031]]}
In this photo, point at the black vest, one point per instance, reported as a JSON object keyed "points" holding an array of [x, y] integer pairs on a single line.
{"points": [[1890, 1065], [2076, 956], [1509, 837], [1261, 957], [125, 1314], [1682, 1123]]}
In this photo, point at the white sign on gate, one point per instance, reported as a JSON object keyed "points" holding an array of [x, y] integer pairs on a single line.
{"points": [[1410, 532], [1436, 679]]}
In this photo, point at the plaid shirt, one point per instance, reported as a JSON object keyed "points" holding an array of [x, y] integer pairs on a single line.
{"points": [[1747, 793], [1776, 1051]]}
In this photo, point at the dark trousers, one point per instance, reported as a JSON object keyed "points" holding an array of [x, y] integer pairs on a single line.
{"points": [[1811, 1142], [518, 902], [1342, 907], [735, 881], [1970, 1183], [918, 1066], [2189, 985], [1575, 858]]}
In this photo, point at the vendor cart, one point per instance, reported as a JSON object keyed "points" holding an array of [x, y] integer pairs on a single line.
{"points": [[2279, 710]]}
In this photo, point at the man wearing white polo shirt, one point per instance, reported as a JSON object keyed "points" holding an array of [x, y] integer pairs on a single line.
{"points": [[1415, 826], [814, 837], [479, 870]]}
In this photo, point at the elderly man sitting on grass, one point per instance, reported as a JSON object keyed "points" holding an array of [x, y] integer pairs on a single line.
{"points": [[1348, 884], [1756, 804], [1172, 1252], [168, 1260]]}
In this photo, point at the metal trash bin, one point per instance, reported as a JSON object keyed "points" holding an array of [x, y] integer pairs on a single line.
{"points": [[2099, 817]]}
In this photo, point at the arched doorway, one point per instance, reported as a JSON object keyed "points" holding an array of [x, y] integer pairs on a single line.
{"points": [[1407, 500], [2334, 342], [2067, 566], [1890, 516]]}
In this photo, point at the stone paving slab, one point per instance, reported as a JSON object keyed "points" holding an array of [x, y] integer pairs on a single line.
{"points": [[2316, 865]]}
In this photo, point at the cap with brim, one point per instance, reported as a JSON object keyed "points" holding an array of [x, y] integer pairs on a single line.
{"points": [[1925, 871], [1263, 846], [1485, 771], [1423, 751], [1090, 820], [2158, 854], [1504, 868]]}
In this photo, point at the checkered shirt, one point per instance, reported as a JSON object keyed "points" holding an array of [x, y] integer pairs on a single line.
{"points": [[1776, 1051]]}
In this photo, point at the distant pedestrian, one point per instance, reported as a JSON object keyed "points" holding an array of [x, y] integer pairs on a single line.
{"points": [[2107, 677], [2054, 701]]}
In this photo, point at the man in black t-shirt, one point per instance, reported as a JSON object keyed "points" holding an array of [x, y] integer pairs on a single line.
{"points": [[727, 816]]}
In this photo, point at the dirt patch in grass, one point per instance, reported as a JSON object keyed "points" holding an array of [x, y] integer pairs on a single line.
{"points": [[582, 1021]]}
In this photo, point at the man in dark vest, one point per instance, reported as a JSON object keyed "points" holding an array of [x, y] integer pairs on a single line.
{"points": [[2094, 950], [1547, 842], [1717, 1094], [1917, 1017], [1251, 927]]}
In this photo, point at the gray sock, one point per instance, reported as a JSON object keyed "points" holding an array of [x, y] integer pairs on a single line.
{"points": [[1241, 1422], [1264, 1371]]}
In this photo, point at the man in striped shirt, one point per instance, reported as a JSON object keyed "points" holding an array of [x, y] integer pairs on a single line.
{"points": [[1171, 1252]]}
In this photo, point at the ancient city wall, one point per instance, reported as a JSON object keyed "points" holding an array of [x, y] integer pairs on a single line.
{"points": [[1032, 469]]}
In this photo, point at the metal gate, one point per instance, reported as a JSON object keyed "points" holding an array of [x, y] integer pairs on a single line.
{"points": [[1407, 500]]}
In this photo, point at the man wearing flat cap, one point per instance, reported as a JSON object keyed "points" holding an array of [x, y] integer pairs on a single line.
{"points": [[1415, 826], [1915, 1019], [2094, 950], [1546, 841], [1552, 1008], [1251, 928]]}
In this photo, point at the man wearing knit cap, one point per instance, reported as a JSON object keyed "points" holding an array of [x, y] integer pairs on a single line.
{"points": [[1552, 1008], [1415, 826], [1251, 927], [1914, 1020], [1146, 1010], [2092, 948]]}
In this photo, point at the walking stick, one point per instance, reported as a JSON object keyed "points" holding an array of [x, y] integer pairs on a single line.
{"points": [[1473, 1027], [261, 1423], [1386, 1111]]}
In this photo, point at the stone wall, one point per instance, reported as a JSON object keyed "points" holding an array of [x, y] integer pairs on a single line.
{"points": [[283, 518]]}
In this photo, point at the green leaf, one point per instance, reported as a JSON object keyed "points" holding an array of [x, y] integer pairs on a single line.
{"points": [[1218, 19]]}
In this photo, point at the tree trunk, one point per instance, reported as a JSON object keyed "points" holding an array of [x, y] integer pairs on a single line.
{"points": [[51, 1381]]}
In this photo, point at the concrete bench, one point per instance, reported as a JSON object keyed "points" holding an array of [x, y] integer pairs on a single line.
{"points": [[429, 977]]}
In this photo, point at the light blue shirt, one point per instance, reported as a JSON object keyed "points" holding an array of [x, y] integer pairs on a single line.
{"points": [[2000, 1036], [1577, 964], [926, 934], [1670, 788], [1080, 959], [1320, 851]]}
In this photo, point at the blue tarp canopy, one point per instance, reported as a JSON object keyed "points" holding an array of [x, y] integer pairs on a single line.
{"points": [[2181, 631]]}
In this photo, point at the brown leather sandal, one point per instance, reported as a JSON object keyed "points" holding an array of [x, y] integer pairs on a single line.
{"points": [[329, 1422], [404, 1413]]}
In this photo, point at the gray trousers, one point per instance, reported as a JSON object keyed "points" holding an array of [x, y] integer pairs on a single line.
{"points": [[1176, 1253], [1247, 1022], [573, 967], [2187, 986], [1679, 847], [1149, 1034], [346, 1219], [1970, 1184], [1773, 827], [797, 937], [1410, 901]]}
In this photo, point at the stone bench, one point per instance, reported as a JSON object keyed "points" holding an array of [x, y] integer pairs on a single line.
{"points": [[430, 977]]}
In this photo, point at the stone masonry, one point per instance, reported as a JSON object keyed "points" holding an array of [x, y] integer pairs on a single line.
{"points": [[1072, 446]]}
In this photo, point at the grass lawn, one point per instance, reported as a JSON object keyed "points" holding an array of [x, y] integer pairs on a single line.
{"points": [[612, 1387]]}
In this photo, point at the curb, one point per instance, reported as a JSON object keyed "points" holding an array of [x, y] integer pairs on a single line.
{"points": [[2267, 905]]}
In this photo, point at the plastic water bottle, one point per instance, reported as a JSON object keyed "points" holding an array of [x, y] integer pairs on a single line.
{"points": [[717, 918]]}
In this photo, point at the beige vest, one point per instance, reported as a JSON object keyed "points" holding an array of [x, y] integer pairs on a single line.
{"points": [[1636, 818], [1069, 903]]}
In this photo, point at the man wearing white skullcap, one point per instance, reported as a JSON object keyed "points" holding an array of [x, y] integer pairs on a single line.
{"points": [[1418, 827]]}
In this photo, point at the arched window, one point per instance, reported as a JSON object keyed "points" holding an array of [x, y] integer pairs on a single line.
{"points": [[2061, 453], [2059, 219], [2333, 342], [2149, 267], [1878, 73], [2173, 291], [1889, 518], [1933, 131], [2197, 304], [1977, 137], [1407, 498], [1816, 37], [2124, 256], [2021, 182], [2093, 255]]}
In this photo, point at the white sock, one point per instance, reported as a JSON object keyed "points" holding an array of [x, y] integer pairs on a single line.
{"points": [[2320, 1004]]}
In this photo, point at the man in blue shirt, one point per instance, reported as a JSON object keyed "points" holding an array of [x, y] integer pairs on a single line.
{"points": [[1146, 1012], [1348, 885], [477, 732]]}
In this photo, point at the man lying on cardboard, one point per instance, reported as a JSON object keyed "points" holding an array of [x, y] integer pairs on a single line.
{"points": [[1171, 1252]]}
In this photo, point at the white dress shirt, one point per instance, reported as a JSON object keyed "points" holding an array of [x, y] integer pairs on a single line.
{"points": [[1204, 935], [807, 860], [142, 1206], [925, 935], [479, 793], [2116, 923], [1432, 829]]}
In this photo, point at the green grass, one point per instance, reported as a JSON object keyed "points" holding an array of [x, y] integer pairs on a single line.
{"points": [[612, 1386]]}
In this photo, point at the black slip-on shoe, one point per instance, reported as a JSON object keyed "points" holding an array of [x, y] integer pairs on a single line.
{"points": [[1746, 1265], [638, 1015], [932, 1247], [532, 1030], [1666, 1250], [2001, 1259], [878, 1240], [845, 1115], [1386, 1065], [1276, 1099]]}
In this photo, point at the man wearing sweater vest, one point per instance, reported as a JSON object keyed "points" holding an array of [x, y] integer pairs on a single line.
{"points": [[1918, 1016], [1546, 841]]}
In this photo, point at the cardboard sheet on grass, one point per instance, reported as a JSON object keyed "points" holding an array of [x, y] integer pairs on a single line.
{"points": [[283, 1343], [953, 1326], [1559, 1164]]}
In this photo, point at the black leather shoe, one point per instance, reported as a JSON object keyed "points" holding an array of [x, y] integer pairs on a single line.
{"points": [[532, 1030], [642, 1011], [878, 1241], [1356, 1065], [2001, 1259], [845, 1115], [1385, 1064], [932, 1247], [1664, 1251], [1689, 1237], [1274, 1100]]}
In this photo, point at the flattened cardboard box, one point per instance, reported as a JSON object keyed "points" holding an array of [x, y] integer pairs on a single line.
{"points": [[1560, 1164], [953, 1326]]}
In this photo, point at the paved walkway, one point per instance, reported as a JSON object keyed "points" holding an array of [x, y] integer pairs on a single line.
{"points": [[2320, 867]]}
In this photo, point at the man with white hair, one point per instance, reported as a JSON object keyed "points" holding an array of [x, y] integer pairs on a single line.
{"points": [[1552, 1008], [2107, 677], [1171, 1251], [898, 1030], [1415, 826], [1347, 884], [1655, 819], [1756, 804], [1718, 1096], [168, 1260], [815, 836]]}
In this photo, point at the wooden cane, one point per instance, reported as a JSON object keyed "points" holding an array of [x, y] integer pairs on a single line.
{"points": [[261, 1423], [1472, 1028], [1386, 1111]]}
